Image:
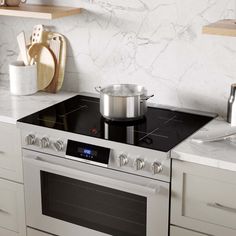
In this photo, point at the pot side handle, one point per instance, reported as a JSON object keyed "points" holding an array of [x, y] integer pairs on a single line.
{"points": [[98, 89], [147, 97]]}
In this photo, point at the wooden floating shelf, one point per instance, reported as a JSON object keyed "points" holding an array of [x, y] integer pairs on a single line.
{"points": [[223, 27], [39, 11]]}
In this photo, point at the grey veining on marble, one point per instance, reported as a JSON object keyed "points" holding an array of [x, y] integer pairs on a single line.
{"points": [[155, 43], [13, 107], [220, 154]]}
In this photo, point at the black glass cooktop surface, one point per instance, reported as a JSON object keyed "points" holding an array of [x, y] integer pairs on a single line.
{"points": [[160, 129]]}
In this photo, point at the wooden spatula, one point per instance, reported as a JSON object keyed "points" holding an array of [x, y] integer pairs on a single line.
{"points": [[37, 34], [22, 45]]}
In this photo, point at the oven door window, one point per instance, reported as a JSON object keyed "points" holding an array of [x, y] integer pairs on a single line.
{"points": [[93, 206]]}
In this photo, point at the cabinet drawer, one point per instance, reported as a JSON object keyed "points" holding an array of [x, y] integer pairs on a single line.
{"points": [[33, 232], [204, 198], [10, 152], [4, 232], [12, 214], [176, 231]]}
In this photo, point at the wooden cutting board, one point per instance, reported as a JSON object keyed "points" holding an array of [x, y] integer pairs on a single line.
{"points": [[55, 47], [45, 64], [60, 58]]}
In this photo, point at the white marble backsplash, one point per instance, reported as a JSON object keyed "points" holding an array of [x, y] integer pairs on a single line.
{"points": [[155, 43]]}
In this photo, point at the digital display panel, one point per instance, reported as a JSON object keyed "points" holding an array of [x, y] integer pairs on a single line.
{"points": [[88, 152]]}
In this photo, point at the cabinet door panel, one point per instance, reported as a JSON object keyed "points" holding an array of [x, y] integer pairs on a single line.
{"points": [[203, 198], [10, 152], [12, 212], [4, 232]]}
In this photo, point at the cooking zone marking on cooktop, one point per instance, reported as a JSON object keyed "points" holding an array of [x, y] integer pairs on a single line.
{"points": [[151, 133], [160, 129], [77, 109], [62, 115]]}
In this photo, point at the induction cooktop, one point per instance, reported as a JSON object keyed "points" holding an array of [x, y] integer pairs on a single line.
{"points": [[160, 129]]}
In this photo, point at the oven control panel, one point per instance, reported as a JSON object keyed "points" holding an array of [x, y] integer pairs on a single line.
{"points": [[125, 158]]}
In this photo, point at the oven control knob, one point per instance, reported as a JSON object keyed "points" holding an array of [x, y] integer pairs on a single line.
{"points": [[139, 164], [122, 160], [30, 139], [44, 142], [58, 145], [156, 168]]}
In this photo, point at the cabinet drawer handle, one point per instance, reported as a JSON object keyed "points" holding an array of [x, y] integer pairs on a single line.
{"points": [[2, 152], [222, 207], [4, 212]]}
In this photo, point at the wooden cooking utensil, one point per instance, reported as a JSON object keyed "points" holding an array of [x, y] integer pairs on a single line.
{"points": [[55, 47], [37, 34], [45, 64], [62, 61], [22, 45], [62, 58]]}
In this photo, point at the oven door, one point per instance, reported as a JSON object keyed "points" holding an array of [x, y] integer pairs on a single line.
{"points": [[69, 198]]}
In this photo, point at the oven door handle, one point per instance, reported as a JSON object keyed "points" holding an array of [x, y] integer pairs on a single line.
{"points": [[122, 185]]}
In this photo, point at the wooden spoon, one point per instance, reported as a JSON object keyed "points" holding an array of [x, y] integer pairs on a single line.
{"points": [[45, 64]]}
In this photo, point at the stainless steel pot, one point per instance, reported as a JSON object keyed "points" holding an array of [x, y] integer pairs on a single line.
{"points": [[122, 102]]}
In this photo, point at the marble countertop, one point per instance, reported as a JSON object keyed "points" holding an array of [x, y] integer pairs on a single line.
{"points": [[13, 107], [220, 154]]}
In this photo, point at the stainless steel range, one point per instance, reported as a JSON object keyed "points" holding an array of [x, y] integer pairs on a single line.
{"points": [[85, 175]]}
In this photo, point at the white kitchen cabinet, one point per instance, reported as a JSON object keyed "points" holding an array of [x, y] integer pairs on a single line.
{"points": [[176, 231], [33, 232], [12, 210], [10, 153], [203, 198], [5, 232]]}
